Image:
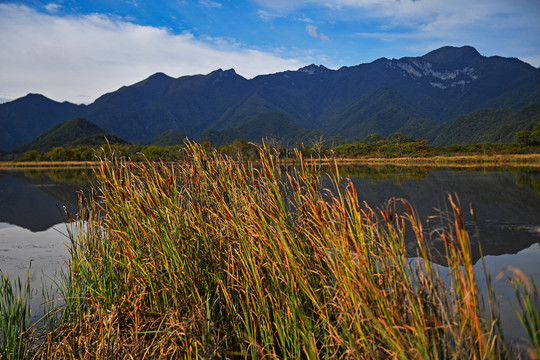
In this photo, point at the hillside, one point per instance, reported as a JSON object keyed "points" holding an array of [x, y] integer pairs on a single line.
{"points": [[169, 138], [412, 95], [24, 119], [75, 132], [267, 127], [382, 111], [486, 126]]}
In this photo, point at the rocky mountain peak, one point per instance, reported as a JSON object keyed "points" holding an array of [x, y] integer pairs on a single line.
{"points": [[313, 69], [223, 73], [452, 56]]}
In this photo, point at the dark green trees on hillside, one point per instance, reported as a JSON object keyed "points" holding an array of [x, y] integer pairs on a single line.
{"points": [[399, 138], [529, 137], [372, 138]]}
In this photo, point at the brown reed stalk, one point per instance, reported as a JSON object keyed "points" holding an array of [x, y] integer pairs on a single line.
{"points": [[211, 258]]}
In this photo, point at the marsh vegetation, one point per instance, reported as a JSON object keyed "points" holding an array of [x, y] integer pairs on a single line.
{"points": [[219, 259]]}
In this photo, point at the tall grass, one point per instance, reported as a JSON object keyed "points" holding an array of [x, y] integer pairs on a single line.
{"points": [[14, 317], [212, 258], [528, 310]]}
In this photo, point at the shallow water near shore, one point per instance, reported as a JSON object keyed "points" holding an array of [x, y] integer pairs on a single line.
{"points": [[506, 206]]}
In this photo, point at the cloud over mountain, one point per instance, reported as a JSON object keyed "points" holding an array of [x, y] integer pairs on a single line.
{"points": [[76, 50], [98, 53]]}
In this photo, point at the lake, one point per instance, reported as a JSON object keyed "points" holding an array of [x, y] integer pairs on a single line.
{"points": [[506, 204], [33, 234]]}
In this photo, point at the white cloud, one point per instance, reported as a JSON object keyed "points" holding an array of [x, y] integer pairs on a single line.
{"points": [[534, 60], [426, 15], [81, 57], [312, 31], [267, 15], [210, 4], [305, 19], [507, 28], [282, 5], [53, 8]]}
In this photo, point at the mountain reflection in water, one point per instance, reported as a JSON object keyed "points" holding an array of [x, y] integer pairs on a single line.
{"points": [[506, 203], [33, 237], [34, 199]]}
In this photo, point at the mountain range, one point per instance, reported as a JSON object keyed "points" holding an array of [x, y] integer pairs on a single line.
{"points": [[446, 91]]}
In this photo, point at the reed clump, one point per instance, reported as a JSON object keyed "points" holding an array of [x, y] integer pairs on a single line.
{"points": [[14, 318], [212, 258]]}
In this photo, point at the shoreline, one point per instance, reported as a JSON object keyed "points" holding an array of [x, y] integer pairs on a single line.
{"points": [[43, 165], [516, 160], [528, 160]]}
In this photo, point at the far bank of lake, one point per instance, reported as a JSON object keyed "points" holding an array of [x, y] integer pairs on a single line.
{"points": [[448, 160]]}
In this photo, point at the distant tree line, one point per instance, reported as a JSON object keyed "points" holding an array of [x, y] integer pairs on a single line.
{"points": [[134, 152], [373, 145]]}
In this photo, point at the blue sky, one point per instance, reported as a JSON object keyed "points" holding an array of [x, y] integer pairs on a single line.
{"points": [[76, 50]]}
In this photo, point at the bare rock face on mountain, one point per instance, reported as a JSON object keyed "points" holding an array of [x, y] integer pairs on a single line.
{"points": [[412, 95]]}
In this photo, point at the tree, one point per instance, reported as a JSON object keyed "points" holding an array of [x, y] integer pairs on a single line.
{"points": [[155, 153], [524, 137], [372, 138], [61, 154], [535, 134], [84, 153], [33, 155], [317, 147], [240, 149], [399, 138]]}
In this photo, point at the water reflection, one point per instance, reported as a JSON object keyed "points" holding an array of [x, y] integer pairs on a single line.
{"points": [[39, 255], [33, 235], [34, 199], [506, 203]]}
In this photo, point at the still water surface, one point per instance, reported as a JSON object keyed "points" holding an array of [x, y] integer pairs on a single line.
{"points": [[506, 203], [33, 234]]}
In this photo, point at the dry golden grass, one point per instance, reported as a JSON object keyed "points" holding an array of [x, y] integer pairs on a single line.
{"points": [[529, 160], [7, 165], [212, 258]]}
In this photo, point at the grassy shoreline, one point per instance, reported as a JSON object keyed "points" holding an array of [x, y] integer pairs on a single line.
{"points": [[214, 258], [516, 160], [31, 165]]}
